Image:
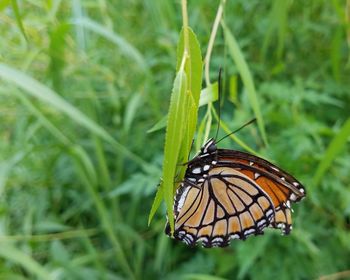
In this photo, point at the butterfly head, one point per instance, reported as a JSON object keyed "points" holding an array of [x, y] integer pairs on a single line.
{"points": [[209, 147], [200, 165]]}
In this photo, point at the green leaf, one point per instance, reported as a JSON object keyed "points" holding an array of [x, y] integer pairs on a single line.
{"points": [[335, 147], [159, 125], [12, 254], [173, 140], [278, 23], [4, 4], [156, 203], [45, 122], [57, 53], [161, 252], [209, 94], [18, 18], [193, 70], [59, 252], [194, 64], [181, 121], [233, 94], [131, 111], [248, 257], [243, 69], [6, 168]]}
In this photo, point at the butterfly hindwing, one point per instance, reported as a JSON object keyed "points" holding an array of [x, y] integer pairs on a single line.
{"points": [[228, 205]]}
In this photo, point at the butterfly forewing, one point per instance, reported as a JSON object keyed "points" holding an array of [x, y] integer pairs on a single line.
{"points": [[263, 172]]}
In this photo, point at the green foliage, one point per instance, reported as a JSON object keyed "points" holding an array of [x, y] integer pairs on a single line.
{"points": [[242, 67], [83, 82], [18, 16], [336, 146]]}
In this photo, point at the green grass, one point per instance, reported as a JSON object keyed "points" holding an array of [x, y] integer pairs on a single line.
{"points": [[82, 83]]}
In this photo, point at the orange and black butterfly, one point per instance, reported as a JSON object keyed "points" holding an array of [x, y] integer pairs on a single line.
{"points": [[228, 194]]}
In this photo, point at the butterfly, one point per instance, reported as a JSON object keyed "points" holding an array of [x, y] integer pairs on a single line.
{"points": [[229, 194]]}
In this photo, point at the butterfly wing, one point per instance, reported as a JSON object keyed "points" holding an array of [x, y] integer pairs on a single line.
{"points": [[227, 205], [282, 219], [281, 187]]}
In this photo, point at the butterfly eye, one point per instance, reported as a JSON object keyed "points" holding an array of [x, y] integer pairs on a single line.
{"points": [[212, 148]]}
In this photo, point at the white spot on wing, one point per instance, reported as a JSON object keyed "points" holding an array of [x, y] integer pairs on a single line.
{"points": [[249, 231], [188, 242], [256, 175], [206, 167], [196, 170], [203, 239], [283, 178], [182, 200], [293, 197], [251, 163], [189, 237], [261, 222], [234, 236], [281, 225], [295, 184], [269, 212], [217, 240]]}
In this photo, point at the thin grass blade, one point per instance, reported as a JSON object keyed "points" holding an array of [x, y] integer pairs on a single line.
{"points": [[83, 166], [48, 96], [156, 203], [124, 46], [11, 253], [242, 66], [335, 147], [19, 18]]}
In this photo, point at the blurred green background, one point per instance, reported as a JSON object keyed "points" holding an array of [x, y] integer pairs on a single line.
{"points": [[81, 83]]}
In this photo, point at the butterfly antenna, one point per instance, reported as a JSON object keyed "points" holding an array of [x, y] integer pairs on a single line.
{"points": [[243, 126], [219, 99]]}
